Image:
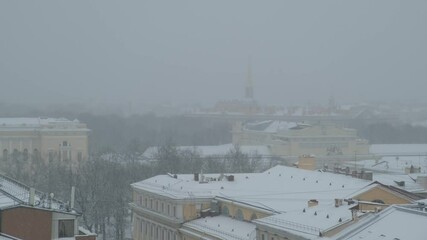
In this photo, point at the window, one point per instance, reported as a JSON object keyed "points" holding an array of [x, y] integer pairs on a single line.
{"points": [[25, 154], [163, 206], [65, 228], [169, 210], [174, 211], [36, 155], [5, 154], [239, 215], [225, 211], [50, 156], [140, 200], [64, 143], [262, 236], [15, 155], [141, 229]]}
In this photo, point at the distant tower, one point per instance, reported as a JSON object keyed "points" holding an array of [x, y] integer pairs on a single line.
{"points": [[332, 106], [249, 89]]}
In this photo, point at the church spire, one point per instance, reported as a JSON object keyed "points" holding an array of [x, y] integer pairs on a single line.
{"points": [[249, 90]]}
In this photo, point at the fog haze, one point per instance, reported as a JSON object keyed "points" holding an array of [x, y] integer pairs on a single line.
{"points": [[189, 52]]}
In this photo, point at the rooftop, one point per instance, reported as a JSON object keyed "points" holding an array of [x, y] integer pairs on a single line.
{"points": [[222, 227], [14, 193], [279, 189], [396, 158], [40, 124], [389, 224], [310, 221], [270, 126]]}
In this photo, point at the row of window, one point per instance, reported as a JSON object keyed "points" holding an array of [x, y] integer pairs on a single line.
{"points": [[157, 206], [322, 145], [154, 231], [24, 155]]}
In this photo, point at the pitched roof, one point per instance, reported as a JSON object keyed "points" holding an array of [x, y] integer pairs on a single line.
{"points": [[14, 194], [389, 224]]}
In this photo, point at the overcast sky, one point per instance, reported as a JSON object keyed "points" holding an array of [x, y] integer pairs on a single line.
{"points": [[148, 52]]}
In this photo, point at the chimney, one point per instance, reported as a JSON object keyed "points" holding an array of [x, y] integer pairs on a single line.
{"points": [[312, 203], [73, 190], [32, 196], [354, 215], [338, 202]]}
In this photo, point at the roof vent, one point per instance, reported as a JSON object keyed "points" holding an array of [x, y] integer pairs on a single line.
{"points": [[338, 202], [230, 178], [400, 183]]}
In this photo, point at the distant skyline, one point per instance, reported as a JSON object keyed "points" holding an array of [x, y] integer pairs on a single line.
{"points": [[196, 52]]}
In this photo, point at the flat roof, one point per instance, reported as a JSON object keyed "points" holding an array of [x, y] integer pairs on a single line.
{"points": [[279, 189], [309, 221], [40, 123], [223, 227]]}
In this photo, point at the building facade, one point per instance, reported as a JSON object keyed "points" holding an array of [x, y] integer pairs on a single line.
{"points": [[45, 138], [291, 139], [280, 203]]}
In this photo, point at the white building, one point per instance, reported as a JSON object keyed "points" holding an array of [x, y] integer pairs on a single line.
{"points": [[292, 139], [46, 138]]}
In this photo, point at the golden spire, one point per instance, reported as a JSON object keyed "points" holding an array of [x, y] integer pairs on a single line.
{"points": [[249, 90]]}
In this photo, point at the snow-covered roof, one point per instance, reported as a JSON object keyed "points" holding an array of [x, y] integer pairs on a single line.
{"points": [[279, 189], [310, 221], [7, 124], [409, 180], [398, 149], [270, 126], [392, 223], [222, 227], [7, 237], [14, 193], [206, 151]]}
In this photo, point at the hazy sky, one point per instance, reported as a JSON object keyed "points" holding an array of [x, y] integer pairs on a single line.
{"points": [[148, 52]]}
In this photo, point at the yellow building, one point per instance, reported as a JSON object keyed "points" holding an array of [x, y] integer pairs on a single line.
{"points": [[252, 205], [46, 138], [292, 139]]}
